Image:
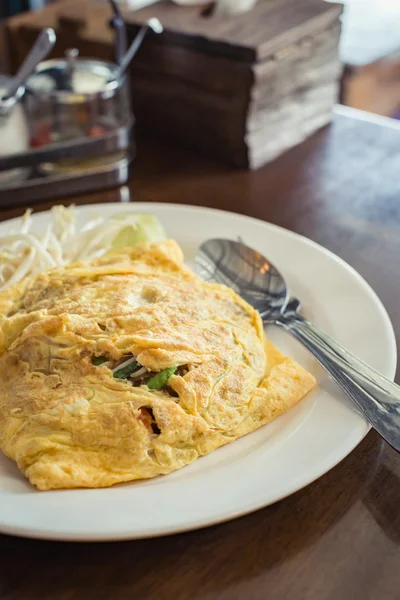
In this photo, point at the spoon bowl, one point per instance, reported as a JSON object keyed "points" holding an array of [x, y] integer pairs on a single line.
{"points": [[247, 272]]}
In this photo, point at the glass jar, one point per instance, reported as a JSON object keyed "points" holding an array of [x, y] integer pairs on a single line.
{"points": [[75, 98]]}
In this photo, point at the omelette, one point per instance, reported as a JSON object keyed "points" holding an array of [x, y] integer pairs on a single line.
{"points": [[130, 366]]}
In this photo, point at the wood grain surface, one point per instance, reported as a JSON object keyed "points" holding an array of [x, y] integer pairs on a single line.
{"points": [[340, 536], [252, 36]]}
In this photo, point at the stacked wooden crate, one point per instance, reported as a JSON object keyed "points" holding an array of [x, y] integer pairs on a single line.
{"points": [[245, 88]]}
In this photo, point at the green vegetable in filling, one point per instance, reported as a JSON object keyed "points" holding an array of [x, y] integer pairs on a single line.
{"points": [[159, 381], [98, 360], [126, 371]]}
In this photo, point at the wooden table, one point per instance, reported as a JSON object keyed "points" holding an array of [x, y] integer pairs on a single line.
{"points": [[339, 537]]}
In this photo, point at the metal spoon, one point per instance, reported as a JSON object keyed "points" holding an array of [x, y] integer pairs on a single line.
{"points": [[253, 277], [41, 48], [153, 24], [118, 23]]}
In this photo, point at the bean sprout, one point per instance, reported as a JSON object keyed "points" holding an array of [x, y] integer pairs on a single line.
{"points": [[23, 252]]}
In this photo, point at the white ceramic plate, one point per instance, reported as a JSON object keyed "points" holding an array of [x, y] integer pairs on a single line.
{"points": [[254, 471]]}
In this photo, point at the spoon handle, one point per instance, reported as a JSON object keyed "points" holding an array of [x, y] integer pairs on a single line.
{"points": [[377, 398], [42, 46], [152, 24]]}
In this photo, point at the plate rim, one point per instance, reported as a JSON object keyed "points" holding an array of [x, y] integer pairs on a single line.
{"points": [[37, 533]]}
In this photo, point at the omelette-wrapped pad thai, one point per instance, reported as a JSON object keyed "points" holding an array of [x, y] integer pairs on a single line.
{"points": [[129, 366]]}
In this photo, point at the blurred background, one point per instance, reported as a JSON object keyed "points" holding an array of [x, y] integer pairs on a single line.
{"points": [[369, 49], [14, 7]]}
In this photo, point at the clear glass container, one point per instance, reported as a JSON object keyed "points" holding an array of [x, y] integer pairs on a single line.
{"points": [[74, 98]]}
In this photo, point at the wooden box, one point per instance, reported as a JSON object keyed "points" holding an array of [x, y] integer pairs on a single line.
{"points": [[242, 89]]}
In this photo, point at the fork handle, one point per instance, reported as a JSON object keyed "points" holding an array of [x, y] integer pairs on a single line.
{"points": [[377, 398]]}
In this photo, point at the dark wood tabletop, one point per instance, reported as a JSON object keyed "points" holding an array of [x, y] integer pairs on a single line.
{"points": [[339, 537]]}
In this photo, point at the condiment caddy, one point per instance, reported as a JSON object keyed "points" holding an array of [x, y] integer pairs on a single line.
{"points": [[71, 122]]}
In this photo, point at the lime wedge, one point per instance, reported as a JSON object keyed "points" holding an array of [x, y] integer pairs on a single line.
{"points": [[140, 228]]}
